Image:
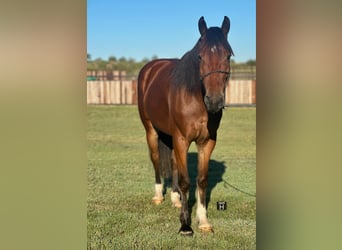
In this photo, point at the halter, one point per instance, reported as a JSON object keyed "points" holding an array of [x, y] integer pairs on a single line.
{"points": [[213, 72]]}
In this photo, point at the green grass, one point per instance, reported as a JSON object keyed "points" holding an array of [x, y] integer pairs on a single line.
{"points": [[121, 185]]}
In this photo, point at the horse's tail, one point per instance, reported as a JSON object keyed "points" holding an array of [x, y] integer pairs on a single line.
{"points": [[165, 151]]}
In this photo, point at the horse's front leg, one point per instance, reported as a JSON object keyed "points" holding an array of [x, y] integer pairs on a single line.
{"points": [[204, 153], [181, 146]]}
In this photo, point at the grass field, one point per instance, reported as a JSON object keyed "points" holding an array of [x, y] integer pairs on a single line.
{"points": [[121, 185]]}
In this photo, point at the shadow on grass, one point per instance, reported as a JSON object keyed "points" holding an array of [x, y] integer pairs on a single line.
{"points": [[215, 173]]}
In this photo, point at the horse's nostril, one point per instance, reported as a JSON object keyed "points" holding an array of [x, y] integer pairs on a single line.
{"points": [[206, 99], [214, 103]]}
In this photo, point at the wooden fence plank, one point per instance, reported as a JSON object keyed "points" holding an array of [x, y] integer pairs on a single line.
{"points": [[239, 92]]}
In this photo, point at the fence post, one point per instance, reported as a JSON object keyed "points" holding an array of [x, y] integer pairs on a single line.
{"points": [[116, 75], [122, 75], [134, 92], [253, 91]]}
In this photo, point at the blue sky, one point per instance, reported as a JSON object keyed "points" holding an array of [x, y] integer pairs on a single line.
{"points": [[168, 29]]}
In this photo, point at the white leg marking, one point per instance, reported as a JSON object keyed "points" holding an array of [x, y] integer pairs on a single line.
{"points": [[201, 212], [175, 198], [158, 195], [201, 215], [159, 189]]}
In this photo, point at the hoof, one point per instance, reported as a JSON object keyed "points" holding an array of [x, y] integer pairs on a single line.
{"points": [[206, 228], [186, 231], [157, 200]]}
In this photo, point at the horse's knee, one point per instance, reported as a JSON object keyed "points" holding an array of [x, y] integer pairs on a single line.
{"points": [[184, 184], [202, 182], [154, 156]]}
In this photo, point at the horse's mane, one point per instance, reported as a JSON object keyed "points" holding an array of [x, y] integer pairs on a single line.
{"points": [[186, 72]]}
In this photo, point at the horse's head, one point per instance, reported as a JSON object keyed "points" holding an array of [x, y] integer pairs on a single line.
{"points": [[214, 63]]}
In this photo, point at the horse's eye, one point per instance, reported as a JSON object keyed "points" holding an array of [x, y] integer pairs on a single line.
{"points": [[228, 58], [199, 58]]}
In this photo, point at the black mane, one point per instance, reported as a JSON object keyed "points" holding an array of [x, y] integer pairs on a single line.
{"points": [[186, 73]]}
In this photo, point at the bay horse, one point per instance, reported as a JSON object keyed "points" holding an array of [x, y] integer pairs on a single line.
{"points": [[180, 101]]}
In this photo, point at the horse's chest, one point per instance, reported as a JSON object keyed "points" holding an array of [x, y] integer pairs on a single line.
{"points": [[199, 129]]}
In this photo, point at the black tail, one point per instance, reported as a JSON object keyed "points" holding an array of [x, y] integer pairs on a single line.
{"points": [[165, 149]]}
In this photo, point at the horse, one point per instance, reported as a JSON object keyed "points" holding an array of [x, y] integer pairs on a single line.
{"points": [[180, 101]]}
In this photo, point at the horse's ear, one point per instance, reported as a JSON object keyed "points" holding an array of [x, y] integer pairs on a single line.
{"points": [[202, 26], [225, 26]]}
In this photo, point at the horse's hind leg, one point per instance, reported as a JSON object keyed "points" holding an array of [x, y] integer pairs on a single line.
{"points": [[152, 141], [175, 196]]}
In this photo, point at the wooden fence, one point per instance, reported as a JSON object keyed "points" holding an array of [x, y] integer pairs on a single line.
{"points": [[239, 92]]}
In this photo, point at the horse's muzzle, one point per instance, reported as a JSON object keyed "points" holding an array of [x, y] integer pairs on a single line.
{"points": [[214, 103]]}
